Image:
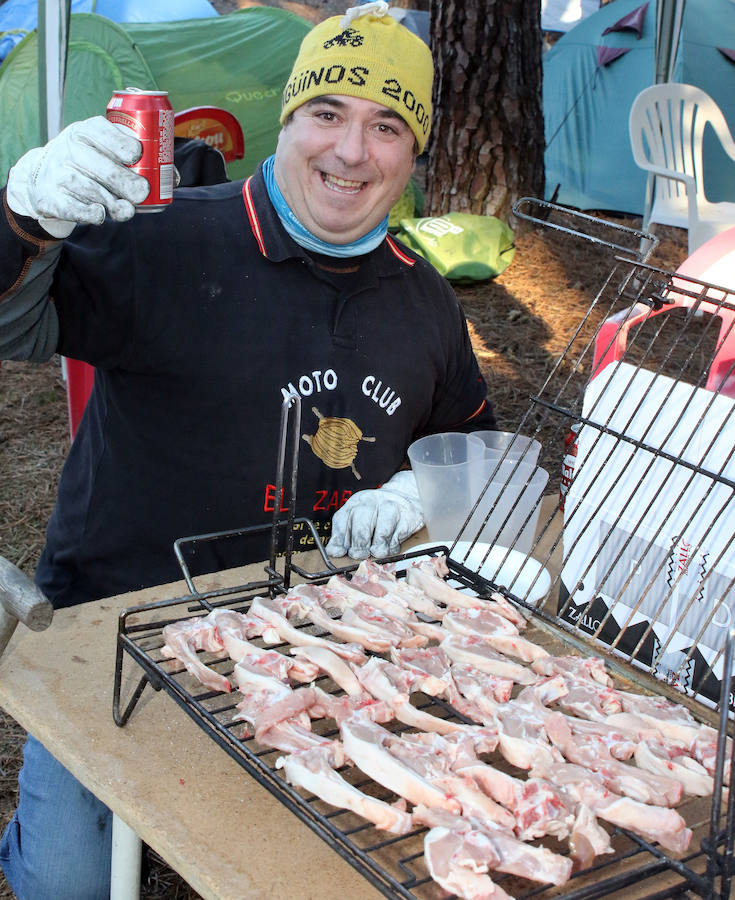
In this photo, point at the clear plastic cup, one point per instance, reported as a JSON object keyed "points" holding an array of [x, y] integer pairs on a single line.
{"points": [[508, 445], [511, 503], [448, 468]]}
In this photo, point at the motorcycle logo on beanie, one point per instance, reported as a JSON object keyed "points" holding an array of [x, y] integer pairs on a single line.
{"points": [[335, 441], [347, 38]]}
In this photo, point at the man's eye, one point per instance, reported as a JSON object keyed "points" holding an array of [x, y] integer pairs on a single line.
{"points": [[386, 129]]}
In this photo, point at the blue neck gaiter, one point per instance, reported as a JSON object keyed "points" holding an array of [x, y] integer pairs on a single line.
{"points": [[305, 238]]}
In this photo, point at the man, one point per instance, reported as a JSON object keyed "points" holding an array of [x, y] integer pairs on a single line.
{"points": [[199, 320]]}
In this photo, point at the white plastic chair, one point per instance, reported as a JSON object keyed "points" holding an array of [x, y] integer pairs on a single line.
{"points": [[666, 125]]}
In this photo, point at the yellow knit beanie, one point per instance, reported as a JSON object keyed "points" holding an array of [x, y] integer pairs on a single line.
{"points": [[365, 53]]}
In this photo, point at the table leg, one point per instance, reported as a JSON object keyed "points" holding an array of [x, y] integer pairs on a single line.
{"points": [[127, 850]]}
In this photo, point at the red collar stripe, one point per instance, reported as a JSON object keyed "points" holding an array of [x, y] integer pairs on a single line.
{"points": [[477, 411], [252, 215], [399, 253]]}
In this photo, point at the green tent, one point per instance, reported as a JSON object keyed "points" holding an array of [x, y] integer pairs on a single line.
{"points": [[239, 62]]}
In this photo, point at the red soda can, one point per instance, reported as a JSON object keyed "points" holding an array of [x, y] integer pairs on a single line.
{"points": [[149, 115], [569, 462]]}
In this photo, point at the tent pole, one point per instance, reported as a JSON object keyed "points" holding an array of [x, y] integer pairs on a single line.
{"points": [[53, 46], [669, 16]]}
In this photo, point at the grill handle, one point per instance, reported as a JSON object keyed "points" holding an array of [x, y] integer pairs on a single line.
{"points": [[20, 600]]}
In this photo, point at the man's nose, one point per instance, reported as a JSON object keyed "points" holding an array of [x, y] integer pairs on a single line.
{"points": [[352, 146]]}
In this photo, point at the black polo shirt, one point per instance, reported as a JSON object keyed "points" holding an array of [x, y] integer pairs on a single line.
{"points": [[199, 320]]}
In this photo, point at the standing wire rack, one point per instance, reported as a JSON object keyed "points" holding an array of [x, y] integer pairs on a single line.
{"points": [[632, 562]]}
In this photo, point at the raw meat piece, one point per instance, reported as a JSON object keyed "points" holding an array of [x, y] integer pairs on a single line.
{"points": [[293, 737], [260, 689], [362, 590], [495, 630], [459, 866], [266, 611], [578, 668], [704, 750], [459, 862], [654, 823], [501, 605], [517, 646], [429, 666], [413, 597], [184, 638], [280, 715], [617, 743], [431, 760], [630, 781], [427, 576], [328, 662], [474, 801], [390, 683], [339, 708], [672, 719], [588, 838], [637, 728], [538, 806], [364, 598], [364, 743], [475, 652], [521, 725], [370, 620], [590, 700], [457, 749], [312, 604], [513, 856], [233, 629], [311, 770], [478, 686], [477, 623], [353, 628], [293, 706], [430, 630], [654, 757]]}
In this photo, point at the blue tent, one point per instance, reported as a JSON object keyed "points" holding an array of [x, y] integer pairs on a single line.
{"points": [[593, 74], [18, 17]]}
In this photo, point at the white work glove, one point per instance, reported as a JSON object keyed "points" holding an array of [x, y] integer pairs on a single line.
{"points": [[79, 176], [374, 523]]}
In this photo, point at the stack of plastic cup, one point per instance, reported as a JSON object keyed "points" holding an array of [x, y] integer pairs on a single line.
{"points": [[511, 489], [453, 470]]}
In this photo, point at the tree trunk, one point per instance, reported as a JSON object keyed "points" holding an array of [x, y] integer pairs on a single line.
{"points": [[486, 148]]}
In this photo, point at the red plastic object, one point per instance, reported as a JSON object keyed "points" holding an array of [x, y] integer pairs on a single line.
{"points": [[79, 382], [219, 128], [714, 263]]}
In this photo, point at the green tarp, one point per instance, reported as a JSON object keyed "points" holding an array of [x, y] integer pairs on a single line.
{"points": [[239, 62]]}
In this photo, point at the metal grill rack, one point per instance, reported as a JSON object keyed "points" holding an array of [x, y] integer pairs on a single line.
{"points": [[394, 864], [646, 431]]}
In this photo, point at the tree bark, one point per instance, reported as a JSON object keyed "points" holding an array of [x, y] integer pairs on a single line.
{"points": [[486, 147]]}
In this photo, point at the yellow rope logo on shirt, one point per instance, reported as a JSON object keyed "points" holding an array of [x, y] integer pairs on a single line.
{"points": [[335, 441]]}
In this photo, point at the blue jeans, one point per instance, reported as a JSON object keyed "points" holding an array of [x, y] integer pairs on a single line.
{"points": [[57, 845]]}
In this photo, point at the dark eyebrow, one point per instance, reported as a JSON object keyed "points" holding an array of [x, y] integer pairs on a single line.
{"points": [[334, 100]]}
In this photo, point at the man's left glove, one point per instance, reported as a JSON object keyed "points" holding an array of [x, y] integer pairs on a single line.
{"points": [[375, 522]]}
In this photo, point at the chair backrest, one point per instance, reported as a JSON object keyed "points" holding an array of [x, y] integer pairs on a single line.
{"points": [[667, 124]]}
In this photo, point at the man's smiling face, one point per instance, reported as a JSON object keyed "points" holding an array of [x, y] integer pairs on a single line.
{"points": [[341, 164]]}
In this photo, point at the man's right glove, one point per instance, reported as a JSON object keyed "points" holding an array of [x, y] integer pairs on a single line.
{"points": [[79, 176]]}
